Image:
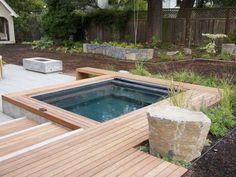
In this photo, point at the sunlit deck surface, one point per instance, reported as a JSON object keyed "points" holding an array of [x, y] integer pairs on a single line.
{"points": [[101, 149]]}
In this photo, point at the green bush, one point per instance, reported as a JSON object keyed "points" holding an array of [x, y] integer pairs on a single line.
{"points": [[42, 44], [109, 17], [225, 56], [180, 56], [163, 56], [231, 37], [58, 21], [140, 69], [206, 56]]}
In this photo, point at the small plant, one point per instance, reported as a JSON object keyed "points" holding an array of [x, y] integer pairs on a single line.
{"points": [[179, 162], [225, 56], [143, 148], [140, 69], [169, 46], [44, 43], [231, 37], [180, 56], [155, 42], [222, 115], [206, 56], [110, 67], [211, 46], [163, 56], [208, 143]]}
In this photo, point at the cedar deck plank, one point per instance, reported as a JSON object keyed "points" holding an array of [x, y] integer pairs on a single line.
{"points": [[29, 138], [80, 154], [16, 126]]}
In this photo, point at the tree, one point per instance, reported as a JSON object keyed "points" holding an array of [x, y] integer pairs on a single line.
{"points": [[58, 21], [154, 19], [28, 24]]}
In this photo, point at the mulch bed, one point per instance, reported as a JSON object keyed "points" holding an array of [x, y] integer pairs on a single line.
{"points": [[15, 53], [218, 162]]}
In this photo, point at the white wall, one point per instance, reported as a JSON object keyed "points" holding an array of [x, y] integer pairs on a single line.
{"points": [[4, 13]]}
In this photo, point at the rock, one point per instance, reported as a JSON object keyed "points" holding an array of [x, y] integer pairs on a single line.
{"points": [[228, 48], [187, 51], [123, 72], [177, 131], [172, 53], [234, 52]]}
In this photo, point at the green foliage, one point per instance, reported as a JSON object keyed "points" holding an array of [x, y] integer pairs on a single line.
{"points": [[140, 69], [155, 42], [44, 43], [168, 46], [225, 56], [120, 44], [231, 37], [179, 162], [208, 143], [206, 56], [113, 18], [163, 56], [180, 56], [143, 148], [29, 20], [222, 115], [58, 21]]}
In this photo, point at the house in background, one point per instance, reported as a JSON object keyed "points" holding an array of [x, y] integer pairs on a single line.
{"points": [[169, 4], [7, 33]]}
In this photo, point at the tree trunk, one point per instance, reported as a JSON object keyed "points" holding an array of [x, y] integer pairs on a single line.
{"points": [[185, 4], [154, 26]]}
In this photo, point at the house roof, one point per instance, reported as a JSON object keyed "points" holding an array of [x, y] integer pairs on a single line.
{"points": [[12, 12]]}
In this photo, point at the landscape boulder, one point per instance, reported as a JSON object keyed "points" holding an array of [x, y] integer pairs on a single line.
{"points": [[177, 132], [229, 48]]}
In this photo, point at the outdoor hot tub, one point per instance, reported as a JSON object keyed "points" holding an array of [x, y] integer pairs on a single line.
{"points": [[106, 100], [110, 96]]}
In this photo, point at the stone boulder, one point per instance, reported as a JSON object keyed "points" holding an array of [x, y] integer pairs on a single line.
{"points": [[229, 48], [172, 53], [187, 51], [177, 132]]}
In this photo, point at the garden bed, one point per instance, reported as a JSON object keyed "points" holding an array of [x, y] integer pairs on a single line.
{"points": [[15, 53], [134, 54]]}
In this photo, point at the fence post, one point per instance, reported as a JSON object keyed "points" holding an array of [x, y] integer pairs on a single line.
{"points": [[227, 22]]}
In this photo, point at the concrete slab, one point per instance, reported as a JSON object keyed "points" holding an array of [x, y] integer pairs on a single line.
{"points": [[16, 78]]}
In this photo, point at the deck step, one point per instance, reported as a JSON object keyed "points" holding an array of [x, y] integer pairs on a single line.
{"points": [[25, 138], [16, 125]]}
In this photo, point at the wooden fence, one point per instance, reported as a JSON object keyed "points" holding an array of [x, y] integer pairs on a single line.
{"points": [[212, 20]]}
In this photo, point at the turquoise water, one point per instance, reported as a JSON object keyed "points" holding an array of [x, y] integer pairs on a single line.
{"points": [[106, 102]]}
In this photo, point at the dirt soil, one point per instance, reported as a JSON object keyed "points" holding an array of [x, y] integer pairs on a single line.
{"points": [[219, 162]]}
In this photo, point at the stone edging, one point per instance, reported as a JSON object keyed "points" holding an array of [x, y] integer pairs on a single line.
{"points": [[119, 52]]}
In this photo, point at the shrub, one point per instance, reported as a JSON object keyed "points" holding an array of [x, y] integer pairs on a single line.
{"points": [[58, 21], [140, 69], [155, 42], [211, 46], [222, 115], [163, 56], [180, 56], [44, 43], [231, 37], [206, 56], [169, 46], [225, 56]]}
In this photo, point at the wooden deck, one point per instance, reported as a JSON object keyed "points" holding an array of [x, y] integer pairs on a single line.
{"points": [[103, 149]]}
